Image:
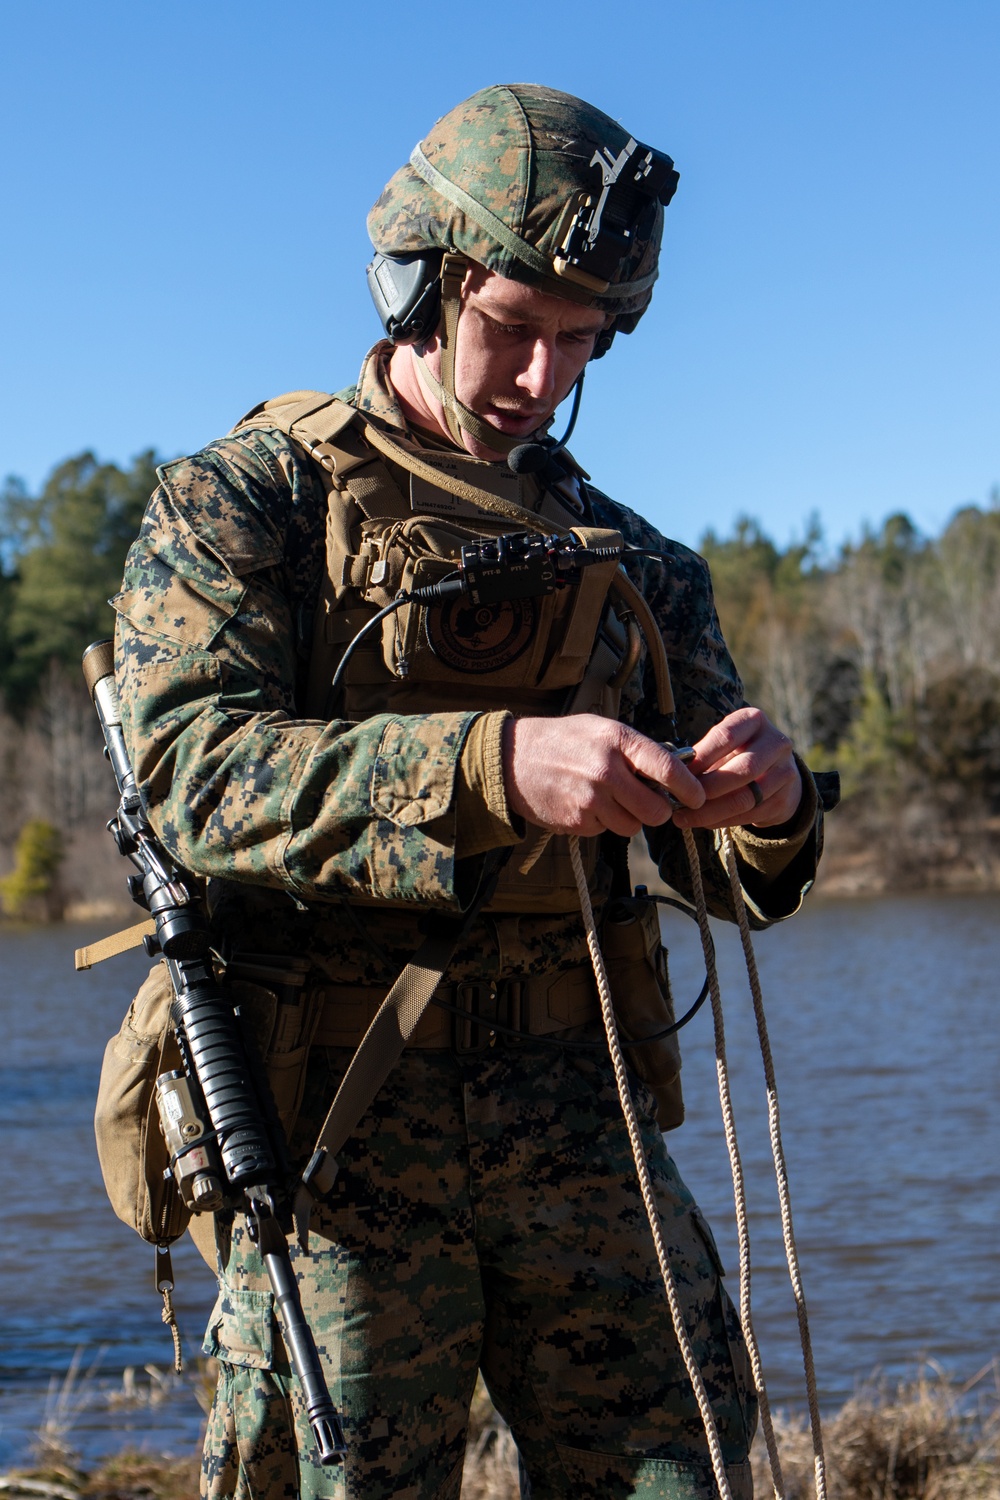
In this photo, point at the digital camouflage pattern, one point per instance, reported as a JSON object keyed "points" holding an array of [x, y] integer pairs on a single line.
{"points": [[523, 152], [486, 1198], [486, 1214], [214, 634]]}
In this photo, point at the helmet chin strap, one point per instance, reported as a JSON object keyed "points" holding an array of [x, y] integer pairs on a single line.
{"points": [[457, 415]]}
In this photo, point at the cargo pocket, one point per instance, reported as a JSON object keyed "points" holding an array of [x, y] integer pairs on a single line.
{"points": [[250, 1442], [727, 1322], [601, 1476]]}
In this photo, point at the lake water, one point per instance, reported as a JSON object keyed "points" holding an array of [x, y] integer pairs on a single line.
{"points": [[883, 1017]]}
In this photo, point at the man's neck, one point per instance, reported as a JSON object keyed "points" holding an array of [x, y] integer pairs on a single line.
{"points": [[415, 400], [421, 408]]}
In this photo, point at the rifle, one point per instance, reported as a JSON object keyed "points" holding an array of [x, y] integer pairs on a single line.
{"points": [[236, 1159]]}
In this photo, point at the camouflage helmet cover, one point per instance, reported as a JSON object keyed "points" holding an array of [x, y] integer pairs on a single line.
{"points": [[498, 179]]}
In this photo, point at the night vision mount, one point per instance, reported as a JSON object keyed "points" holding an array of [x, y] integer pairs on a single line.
{"points": [[603, 227]]}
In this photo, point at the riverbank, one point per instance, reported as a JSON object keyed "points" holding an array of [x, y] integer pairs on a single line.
{"points": [[867, 853], [926, 1440], [870, 854], [882, 1020]]}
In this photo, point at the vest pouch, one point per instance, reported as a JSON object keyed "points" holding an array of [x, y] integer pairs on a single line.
{"points": [[130, 1146], [636, 963], [550, 885], [133, 1155], [543, 642]]}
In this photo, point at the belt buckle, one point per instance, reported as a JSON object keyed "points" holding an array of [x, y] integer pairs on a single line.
{"points": [[484, 1004]]}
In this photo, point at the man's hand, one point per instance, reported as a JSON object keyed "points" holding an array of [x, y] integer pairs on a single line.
{"points": [[584, 774], [581, 775], [744, 751]]}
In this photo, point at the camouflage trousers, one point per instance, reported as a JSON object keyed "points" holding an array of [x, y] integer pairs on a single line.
{"points": [[486, 1216]]}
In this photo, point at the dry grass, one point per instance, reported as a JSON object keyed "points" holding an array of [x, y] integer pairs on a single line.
{"points": [[923, 1440], [128, 1476], [490, 1471]]}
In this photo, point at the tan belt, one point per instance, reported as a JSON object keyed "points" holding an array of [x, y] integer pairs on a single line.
{"points": [[540, 1005]]}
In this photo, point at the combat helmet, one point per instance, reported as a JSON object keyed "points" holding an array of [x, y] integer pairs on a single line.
{"points": [[535, 185]]}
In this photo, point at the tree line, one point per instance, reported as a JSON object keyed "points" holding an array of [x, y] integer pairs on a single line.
{"points": [[62, 552], [881, 660], [883, 663]]}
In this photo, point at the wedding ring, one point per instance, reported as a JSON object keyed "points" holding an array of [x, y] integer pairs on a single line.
{"points": [[758, 795]]}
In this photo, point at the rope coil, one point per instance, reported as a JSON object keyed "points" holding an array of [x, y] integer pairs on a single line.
{"points": [[642, 1170], [780, 1167], [736, 1166]]}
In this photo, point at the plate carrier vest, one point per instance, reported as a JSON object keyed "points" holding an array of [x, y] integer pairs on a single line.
{"points": [[397, 518]]}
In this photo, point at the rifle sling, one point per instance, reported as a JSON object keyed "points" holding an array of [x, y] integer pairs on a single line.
{"points": [[378, 1052], [110, 947]]}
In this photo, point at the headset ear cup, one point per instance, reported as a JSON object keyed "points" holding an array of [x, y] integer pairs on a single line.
{"points": [[422, 322], [406, 291], [604, 340]]}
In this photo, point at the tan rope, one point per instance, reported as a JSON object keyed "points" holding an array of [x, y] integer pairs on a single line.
{"points": [[633, 597], [170, 1318], [735, 1162], [642, 1171], [535, 853], [780, 1168]]}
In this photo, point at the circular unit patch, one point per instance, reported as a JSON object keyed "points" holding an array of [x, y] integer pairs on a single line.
{"points": [[480, 637]]}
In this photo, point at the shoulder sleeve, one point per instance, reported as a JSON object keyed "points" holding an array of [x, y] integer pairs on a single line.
{"points": [[214, 620]]}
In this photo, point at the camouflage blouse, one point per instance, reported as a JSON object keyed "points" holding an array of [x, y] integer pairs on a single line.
{"points": [[285, 815]]}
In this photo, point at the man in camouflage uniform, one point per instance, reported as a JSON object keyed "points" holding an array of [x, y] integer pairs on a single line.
{"points": [[486, 1214]]}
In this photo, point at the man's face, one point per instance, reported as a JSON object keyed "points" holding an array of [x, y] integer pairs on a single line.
{"points": [[519, 353]]}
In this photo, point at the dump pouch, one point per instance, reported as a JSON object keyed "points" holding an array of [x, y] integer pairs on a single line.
{"points": [[135, 1161], [130, 1145], [636, 964]]}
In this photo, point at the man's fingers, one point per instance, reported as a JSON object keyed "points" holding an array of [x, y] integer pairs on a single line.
{"points": [[659, 769], [765, 802], [736, 809], [748, 759], [582, 775], [724, 739], [737, 774]]}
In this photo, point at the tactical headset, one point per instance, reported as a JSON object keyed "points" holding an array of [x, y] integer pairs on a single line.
{"points": [[417, 293], [406, 290]]}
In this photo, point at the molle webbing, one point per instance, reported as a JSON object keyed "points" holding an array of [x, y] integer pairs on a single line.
{"points": [[328, 430], [321, 424], [539, 1005]]}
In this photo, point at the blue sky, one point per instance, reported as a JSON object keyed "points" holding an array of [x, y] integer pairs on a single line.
{"points": [[186, 187]]}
